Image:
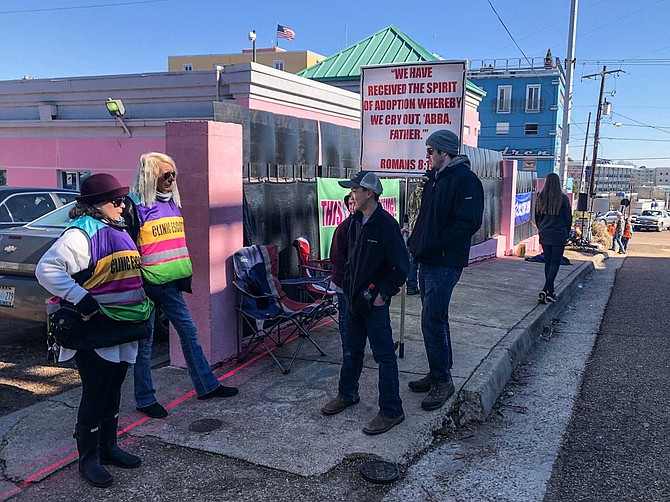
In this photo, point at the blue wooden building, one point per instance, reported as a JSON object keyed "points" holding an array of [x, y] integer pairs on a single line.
{"points": [[522, 112]]}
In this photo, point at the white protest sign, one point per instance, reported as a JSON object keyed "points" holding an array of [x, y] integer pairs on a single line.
{"points": [[402, 104]]}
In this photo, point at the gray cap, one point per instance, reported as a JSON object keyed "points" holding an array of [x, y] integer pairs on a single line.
{"points": [[365, 179], [445, 141]]}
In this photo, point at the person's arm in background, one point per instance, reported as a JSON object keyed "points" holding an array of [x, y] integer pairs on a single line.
{"points": [[398, 259], [567, 213], [130, 218]]}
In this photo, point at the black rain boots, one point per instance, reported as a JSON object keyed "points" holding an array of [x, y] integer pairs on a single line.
{"points": [[90, 468], [110, 453]]}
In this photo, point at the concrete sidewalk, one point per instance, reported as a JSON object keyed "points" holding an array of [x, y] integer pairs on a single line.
{"points": [[275, 421]]}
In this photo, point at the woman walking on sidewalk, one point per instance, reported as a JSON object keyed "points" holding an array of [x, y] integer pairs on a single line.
{"points": [[553, 216], [99, 312]]}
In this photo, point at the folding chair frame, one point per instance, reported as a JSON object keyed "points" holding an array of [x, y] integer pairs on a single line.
{"points": [[280, 314]]}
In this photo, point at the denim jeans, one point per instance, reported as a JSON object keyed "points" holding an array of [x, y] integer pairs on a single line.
{"points": [[412, 283], [552, 262], [616, 239], [343, 314], [374, 325], [171, 301], [437, 283]]}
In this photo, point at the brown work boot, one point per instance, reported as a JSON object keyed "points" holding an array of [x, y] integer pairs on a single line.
{"points": [[438, 395], [381, 424], [338, 404], [421, 385]]}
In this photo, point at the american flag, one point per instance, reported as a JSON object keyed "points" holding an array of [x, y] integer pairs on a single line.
{"points": [[285, 32]]}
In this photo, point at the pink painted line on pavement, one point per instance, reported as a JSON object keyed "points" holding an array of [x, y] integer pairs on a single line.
{"points": [[73, 456]]}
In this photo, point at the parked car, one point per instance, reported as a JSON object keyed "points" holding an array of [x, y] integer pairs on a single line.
{"points": [[652, 219], [19, 206], [609, 217], [21, 296]]}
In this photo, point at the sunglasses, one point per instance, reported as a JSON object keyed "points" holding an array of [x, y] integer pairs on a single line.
{"points": [[170, 174], [430, 151], [117, 201]]}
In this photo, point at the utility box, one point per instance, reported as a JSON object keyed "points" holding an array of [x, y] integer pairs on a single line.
{"points": [[601, 205]]}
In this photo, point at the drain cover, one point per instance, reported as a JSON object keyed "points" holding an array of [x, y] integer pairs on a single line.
{"points": [[205, 425], [380, 472]]}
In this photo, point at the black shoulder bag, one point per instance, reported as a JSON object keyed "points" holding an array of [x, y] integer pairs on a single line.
{"points": [[69, 330]]}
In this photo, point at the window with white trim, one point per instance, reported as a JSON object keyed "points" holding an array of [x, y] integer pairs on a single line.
{"points": [[187, 67], [278, 64], [533, 98], [504, 102], [502, 128]]}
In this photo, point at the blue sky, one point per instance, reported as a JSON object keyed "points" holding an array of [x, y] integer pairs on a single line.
{"points": [[133, 36]]}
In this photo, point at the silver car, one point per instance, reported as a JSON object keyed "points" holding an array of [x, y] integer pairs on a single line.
{"points": [[22, 299]]}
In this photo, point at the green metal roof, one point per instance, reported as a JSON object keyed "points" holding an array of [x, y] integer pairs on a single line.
{"points": [[389, 45]]}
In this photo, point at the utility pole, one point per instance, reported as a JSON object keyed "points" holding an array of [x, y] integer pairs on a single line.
{"points": [[596, 134], [569, 63], [586, 140]]}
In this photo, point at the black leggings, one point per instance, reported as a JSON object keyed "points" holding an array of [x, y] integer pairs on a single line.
{"points": [[552, 262], [101, 387]]}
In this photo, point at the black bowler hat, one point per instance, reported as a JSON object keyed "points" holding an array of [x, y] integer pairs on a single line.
{"points": [[101, 187]]}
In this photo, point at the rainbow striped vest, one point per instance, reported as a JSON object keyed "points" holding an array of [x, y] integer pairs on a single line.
{"points": [[162, 242], [116, 280]]}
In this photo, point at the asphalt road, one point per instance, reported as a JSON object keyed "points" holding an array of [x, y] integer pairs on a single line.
{"points": [[617, 445]]}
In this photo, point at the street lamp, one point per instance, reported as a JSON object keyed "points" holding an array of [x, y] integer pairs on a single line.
{"points": [[218, 69], [116, 109], [252, 37]]}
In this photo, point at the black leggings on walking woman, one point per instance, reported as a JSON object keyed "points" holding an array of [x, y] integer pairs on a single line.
{"points": [[552, 261], [101, 387]]}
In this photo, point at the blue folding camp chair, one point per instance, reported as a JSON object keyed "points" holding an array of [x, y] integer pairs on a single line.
{"points": [[265, 308]]}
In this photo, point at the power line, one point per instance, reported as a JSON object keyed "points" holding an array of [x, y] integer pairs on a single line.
{"points": [[642, 123], [79, 7]]}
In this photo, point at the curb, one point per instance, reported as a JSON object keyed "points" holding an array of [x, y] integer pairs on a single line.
{"points": [[482, 389]]}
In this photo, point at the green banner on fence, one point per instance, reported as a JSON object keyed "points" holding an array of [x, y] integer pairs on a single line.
{"points": [[332, 210]]}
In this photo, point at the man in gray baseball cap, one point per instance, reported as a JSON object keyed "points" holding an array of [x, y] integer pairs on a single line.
{"points": [[376, 267], [365, 179]]}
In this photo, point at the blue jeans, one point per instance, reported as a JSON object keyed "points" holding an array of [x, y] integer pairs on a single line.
{"points": [[616, 239], [374, 325], [412, 283], [437, 283], [171, 301], [343, 314], [552, 262]]}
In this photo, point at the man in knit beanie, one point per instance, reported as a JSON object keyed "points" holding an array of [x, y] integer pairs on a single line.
{"points": [[452, 204]]}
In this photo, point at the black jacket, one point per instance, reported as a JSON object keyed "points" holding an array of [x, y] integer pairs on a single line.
{"points": [[555, 228], [376, 255], [451, 213], [338, 251]]}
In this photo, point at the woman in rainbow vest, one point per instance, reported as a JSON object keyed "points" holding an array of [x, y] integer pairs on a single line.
{"points": [[95, 266], [155, 223]]}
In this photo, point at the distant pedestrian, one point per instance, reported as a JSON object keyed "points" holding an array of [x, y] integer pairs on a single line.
{"points": [[451, 211], [413, 207], [616, 236], [553, 216], [156, 224], [94, 269], [626, 234], [375, 270]]}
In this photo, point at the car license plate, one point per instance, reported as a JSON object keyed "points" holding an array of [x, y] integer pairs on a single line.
{"points": [[7, 296]]}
